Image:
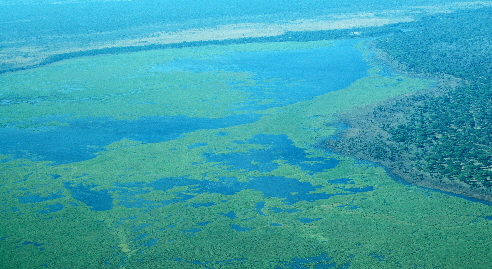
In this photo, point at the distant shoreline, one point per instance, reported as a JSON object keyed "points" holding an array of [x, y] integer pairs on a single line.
{"points": [[287, 37], [223, 35], [18, 55]]}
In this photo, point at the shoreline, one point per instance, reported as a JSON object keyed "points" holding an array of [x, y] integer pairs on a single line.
{"points": [[405, 174], [300, 30], [365, 139], [20, 55], [301, 36]]}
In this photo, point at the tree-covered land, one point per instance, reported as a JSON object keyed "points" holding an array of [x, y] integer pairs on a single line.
{"points": [[457, 44], [441, 137]]}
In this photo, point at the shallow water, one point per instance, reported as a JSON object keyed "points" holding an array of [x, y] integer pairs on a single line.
{"points": [[207, 161], [296, 75]]}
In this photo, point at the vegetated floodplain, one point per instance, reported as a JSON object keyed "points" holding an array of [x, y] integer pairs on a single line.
{"points": [[252, 192]]}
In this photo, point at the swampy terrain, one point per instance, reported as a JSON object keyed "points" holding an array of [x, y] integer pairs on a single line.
{"points": [[227, 154]]}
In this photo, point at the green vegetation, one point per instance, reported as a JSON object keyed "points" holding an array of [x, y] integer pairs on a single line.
{"points": [[440, 137], [450, 134], [392, 226], [458, 44]]}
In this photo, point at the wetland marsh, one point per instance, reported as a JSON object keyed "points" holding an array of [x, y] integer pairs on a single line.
{"points": [[206, 157]]}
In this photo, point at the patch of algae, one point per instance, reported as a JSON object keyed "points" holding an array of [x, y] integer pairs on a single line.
{"points": [[392, 226]]}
